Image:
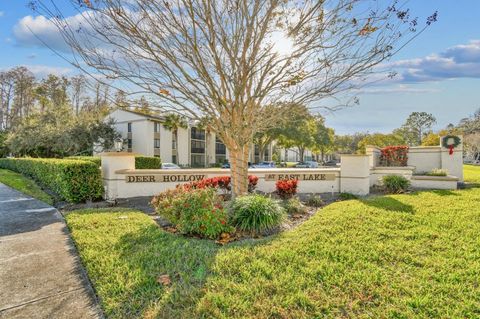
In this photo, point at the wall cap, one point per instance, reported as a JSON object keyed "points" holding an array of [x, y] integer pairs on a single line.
{"points": [[227, 171], [354, 155], [435, 178], [393, 168], [117, 154]]}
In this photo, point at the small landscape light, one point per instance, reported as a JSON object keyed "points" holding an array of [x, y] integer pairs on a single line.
{"points": [[118, 144]]}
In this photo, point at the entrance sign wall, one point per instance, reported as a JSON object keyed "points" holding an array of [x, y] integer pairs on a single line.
{"points": [[356, 174]]}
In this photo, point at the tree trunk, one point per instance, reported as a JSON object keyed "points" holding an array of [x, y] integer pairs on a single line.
{"points": [[301, 152], [261, 153], [238, 157]]}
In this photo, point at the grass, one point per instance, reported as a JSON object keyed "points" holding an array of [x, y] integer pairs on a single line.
{"points": [[25, 185], [471, 173], [400, 256]]}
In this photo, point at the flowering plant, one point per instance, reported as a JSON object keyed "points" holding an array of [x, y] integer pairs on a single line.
{"points": [[220, 182], [394, 156], [193, 211], [286, 188]]}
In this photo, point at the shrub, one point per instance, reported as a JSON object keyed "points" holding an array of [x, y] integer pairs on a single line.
{"points": [[141, 162], [437, 172], [193, 211], [95, 159], [286, 188], [394, 156], [346, 196], [252, 183], [315, 201], [72, 180], [256, 213], [395, 184], [293, 206], [221, 182], [147, 162]]}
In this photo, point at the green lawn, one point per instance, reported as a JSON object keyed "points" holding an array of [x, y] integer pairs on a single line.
{"points": [[471, 173], [402, 256], [24, 185]]}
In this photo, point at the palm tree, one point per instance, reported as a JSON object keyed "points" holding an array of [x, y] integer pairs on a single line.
{"points": [[173, 122]]}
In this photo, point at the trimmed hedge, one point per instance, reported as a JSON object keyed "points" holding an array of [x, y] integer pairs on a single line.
{"points": [[141, 162], [147, 162], [73, 180]]}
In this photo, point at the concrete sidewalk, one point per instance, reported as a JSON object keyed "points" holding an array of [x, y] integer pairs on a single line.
{"points": [[40, 272]]}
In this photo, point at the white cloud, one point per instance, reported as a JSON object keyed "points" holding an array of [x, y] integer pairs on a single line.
{"points": [[397, 89], [460, 61], [2, 13], [41, 71], [41, 31]]}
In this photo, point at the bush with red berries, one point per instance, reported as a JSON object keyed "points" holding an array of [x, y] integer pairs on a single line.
{"points": [[394, 156], [286, 188]]}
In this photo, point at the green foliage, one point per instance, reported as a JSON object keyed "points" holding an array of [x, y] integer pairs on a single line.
{"points": [[193, 211], [256, 213], [147, 162], [347, 196], [395, 184], [380, 140], [57, 132], [315, 201], [348, 144], [416, 125], [437, 172], [294, 206], [141, 162], [24, 185], [73, 180], [3, 145]]}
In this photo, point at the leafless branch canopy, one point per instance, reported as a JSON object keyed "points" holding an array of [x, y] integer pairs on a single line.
{"points": [[227, 59]]}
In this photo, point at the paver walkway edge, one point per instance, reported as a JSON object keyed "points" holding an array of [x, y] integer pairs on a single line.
{"points": [[41, 275]]}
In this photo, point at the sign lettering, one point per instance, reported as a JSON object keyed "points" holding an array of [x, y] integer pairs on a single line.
{"points": [[164, 178], [301, 177]]}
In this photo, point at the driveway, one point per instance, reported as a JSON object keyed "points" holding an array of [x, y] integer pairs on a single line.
{"points": [[40, 272]]}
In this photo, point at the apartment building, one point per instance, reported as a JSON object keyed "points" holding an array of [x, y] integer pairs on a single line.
{"points": [[193, 147]]}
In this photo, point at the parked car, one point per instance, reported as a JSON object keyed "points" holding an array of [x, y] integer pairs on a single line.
{"points": [[264, 164], [227, 165], [331, 163], [307, 164], [170, 166]]}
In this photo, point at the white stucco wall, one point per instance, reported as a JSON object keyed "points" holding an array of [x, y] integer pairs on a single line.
{"points": [[424, 158], [183, 146], [165, 144]]}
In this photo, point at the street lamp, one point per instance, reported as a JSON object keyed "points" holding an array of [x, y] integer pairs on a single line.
{"points": [[118, 144]]}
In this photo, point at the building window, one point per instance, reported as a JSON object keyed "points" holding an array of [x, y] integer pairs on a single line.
{"points": [[129, 127], [174, 159], [198, 161], [197, 134], [174, 141], [197, 147], [156, 127], [129, 143], [220, 159], [156, 143], [220, 148]]}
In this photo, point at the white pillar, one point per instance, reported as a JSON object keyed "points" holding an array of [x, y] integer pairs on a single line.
{"points": [[453, 163], [374, 155], [355, 174], [111, 163]]}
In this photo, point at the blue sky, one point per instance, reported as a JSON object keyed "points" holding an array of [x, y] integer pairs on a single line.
{"points": [[439, 71]]}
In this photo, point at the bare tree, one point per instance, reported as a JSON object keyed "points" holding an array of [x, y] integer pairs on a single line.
{"points": [[24, 97], [78, 87], [7, 83], [226, 59]]}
